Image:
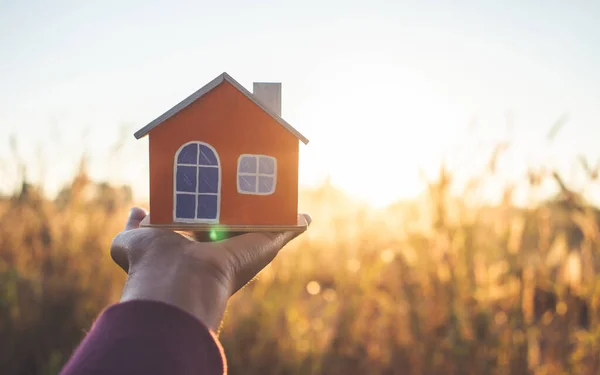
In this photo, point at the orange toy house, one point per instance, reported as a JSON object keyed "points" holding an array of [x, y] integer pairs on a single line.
{"points": [[223, 158]]}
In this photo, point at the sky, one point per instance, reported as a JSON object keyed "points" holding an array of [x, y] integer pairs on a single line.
{"points": [[383, 89]]}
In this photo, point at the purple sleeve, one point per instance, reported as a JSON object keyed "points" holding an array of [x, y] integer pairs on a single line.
{"points": [[146, 337]]}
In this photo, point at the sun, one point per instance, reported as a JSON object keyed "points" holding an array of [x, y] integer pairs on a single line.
{"points": [[373, 137]]}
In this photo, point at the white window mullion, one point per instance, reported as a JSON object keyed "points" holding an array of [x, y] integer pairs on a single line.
{"points": [[256, 174], [257, 169], [197, 181], [193, 165]]}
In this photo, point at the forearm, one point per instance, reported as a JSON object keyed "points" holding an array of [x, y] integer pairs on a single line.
{"points": [[177, 283], [147, 337]]}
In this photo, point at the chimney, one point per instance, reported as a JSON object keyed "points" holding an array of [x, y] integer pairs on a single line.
{"points": [[269, 95]]}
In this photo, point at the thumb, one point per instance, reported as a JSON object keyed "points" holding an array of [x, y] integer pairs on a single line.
{"points": [[118, 251], [136, 215]]}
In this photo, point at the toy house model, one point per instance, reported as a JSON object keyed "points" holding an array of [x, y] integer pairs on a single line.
{"points": [[224, 158]]}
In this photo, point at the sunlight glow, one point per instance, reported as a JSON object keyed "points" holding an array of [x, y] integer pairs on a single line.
{"points": [[375, 133], [381, 97]]}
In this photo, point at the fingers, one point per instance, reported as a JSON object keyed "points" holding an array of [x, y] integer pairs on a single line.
{"points": [[262, 244], [308, 219], [263, 241], [136, 215], [223, 235], [252, 252]]}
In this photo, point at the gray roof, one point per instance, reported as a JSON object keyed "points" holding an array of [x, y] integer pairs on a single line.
{"points": [[208, 87]]}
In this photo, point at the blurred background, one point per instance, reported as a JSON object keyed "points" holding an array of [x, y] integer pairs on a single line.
{"points": [[452, 176]]}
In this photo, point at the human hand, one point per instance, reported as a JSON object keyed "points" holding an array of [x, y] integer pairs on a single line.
{"points": [[198, 277]]}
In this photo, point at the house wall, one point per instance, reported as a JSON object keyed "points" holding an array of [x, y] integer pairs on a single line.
{"points": [[231, 123]]}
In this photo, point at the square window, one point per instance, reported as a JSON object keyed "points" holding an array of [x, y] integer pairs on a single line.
{"points": [[247, 164], [252, 169], [208, 180], [207, 206], [186, 179], [247, 184], [185, 206], [266, 165], [266, 184]]}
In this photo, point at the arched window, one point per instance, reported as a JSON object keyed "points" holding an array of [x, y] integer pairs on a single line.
{"points": [[197, 184]]}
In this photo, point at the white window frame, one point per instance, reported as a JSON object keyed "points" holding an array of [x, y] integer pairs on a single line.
{"points": [[257, 174], [197, 194]]}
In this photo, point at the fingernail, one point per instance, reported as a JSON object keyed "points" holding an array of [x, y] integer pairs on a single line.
{"points": [[308, 219]]}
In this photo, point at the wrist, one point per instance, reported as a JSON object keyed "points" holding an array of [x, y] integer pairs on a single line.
{"points": [[200, 294]]}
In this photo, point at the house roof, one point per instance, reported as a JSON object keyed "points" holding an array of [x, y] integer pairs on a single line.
{"points": [[207, 88]]}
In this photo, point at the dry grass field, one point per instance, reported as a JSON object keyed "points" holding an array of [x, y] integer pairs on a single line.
{"points": [[442, 285]]}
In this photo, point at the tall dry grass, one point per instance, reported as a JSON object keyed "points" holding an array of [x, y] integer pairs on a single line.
{"points": [[440, 285]]}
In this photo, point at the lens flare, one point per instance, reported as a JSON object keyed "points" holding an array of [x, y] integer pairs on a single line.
{"points": [[217, 233]]}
